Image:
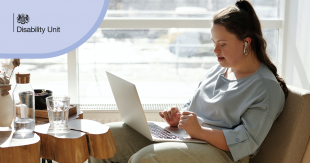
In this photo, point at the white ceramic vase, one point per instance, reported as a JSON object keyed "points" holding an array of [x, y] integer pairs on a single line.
{"points": [[6, 108]]}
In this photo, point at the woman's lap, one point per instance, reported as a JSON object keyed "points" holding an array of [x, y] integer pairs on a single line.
{"points": [[173, 152], [127, 141], [131, 144]]}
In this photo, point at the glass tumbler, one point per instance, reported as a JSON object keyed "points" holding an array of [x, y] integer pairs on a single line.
{"points": [[58, 111]]}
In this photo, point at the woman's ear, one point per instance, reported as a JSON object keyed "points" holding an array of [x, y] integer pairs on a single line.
{"points": [[248, 40]]}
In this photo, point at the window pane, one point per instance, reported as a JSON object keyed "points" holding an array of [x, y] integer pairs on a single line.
{"points": [[50, 74], [184, 8], [271, 36], [165, 64]]}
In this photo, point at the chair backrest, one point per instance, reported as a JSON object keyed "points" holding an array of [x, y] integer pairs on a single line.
{"points": [[287, 140]]}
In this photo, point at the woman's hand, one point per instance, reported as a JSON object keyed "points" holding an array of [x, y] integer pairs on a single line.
{"points": [[171, 116], [190, 124]]}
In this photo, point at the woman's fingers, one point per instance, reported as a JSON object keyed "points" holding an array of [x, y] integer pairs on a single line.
{"points": [[165, 119], [174, 110], [169, 115], [178, 115], [183, 121], [166, 116], [186, 113], [161, 114], [181, 125], [184, 117]]}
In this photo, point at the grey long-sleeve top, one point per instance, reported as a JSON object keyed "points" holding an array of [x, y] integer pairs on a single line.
{"points": [[244, 109]]}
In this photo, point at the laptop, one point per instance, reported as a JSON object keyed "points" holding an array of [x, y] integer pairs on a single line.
{"points": [[131, 112]]}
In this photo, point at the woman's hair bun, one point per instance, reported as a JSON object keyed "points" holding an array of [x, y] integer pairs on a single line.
{"points": [[241, 4]]}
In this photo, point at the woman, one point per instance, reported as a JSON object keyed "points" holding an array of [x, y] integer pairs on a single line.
{"points": [[233, 107]]}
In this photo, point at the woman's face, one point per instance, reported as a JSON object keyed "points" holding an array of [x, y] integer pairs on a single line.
{"points": [[227, 48]]}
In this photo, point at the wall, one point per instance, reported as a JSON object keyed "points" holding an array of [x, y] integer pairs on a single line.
{"points": [[296, 51]]}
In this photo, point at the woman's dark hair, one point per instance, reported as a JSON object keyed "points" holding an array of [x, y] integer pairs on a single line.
{"points": [[242, 21]]}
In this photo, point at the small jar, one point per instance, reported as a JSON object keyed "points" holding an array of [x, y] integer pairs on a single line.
{"points": [[24, 109]]}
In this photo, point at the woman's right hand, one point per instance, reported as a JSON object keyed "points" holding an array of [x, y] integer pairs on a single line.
{"points": [[171, 115]]}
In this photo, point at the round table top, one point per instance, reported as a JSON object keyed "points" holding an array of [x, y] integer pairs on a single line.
{"points": [[7, 140], [18, 150], [84, 138]]}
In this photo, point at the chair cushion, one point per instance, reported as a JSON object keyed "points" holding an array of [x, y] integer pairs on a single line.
{"points": [[287, 140]]}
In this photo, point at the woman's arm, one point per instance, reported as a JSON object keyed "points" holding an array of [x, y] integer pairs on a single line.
{"points": [[190, 124], [215, 137]]}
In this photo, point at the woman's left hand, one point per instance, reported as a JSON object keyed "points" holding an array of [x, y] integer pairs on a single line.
{"points": [[190, 124]]}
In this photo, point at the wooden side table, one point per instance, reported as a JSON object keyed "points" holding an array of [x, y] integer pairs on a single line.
{"points": [[18, 150], [85, 138]]}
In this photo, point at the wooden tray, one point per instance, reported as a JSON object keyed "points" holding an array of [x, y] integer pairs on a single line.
{"points": [[44, 113]]}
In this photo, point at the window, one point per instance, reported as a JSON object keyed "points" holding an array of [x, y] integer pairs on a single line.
{"points": [[183, 8], [166, 63], [161, 46], [50, 74]]}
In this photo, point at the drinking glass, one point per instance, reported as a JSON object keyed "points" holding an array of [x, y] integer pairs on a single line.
{"points": [[58, 110]]}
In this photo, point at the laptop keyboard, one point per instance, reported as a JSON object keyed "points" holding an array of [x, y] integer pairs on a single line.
{"points": [[159, 132]]}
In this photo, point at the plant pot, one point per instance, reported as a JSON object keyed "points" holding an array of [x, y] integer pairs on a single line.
{"points": [[6, 107]]}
